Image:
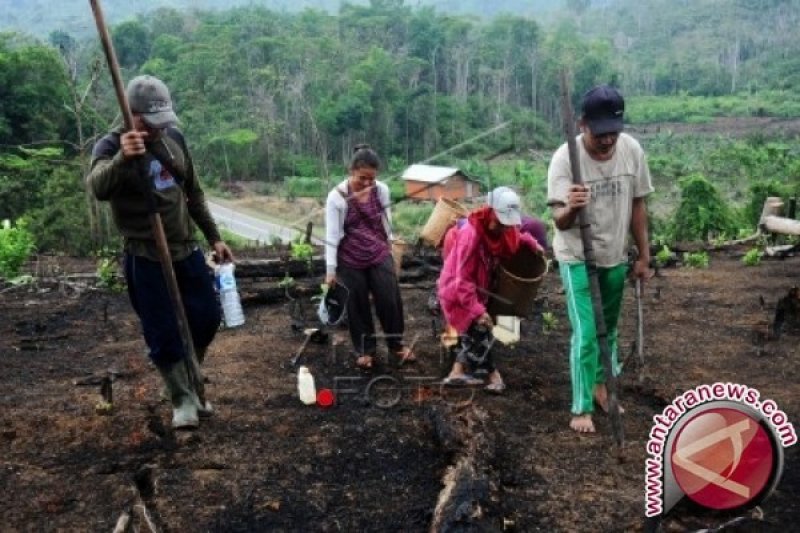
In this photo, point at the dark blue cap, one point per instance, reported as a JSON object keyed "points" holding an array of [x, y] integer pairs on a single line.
{"points": [[603, 108]]}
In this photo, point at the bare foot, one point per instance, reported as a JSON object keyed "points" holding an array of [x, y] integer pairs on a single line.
{"points": [[582, 423], [496, 384], [406, 355], [601, 398], [495, 377]]}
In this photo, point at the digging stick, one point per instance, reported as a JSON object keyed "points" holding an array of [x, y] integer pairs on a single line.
{"points": [[308, 333], [192, 366], [591, 265], [639, 328]]}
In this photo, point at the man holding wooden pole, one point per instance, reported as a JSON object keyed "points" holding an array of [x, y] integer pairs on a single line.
{"points": [[616, 180], [143, 170]]}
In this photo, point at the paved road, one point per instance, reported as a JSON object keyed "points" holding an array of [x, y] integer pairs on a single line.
{"points": [[250, 227]]}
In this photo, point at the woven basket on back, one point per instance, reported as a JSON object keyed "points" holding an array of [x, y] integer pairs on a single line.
{"points": [[516, 283], [443, 216]]}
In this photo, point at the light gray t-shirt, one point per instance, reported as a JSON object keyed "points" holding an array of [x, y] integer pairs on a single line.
{"points": [[614, 185]]}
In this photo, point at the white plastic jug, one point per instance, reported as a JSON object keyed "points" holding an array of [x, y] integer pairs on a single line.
{"points": [[506, 329], [229, 297], [305, 386]]}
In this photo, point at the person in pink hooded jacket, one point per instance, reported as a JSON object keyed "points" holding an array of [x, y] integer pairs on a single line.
{"points": [[490, 234]]}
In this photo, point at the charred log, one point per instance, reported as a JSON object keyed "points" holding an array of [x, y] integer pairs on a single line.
{"points": [[413, 268], [279, 268], [262, 293], [787, 310], [463, 501], [784, 226]]}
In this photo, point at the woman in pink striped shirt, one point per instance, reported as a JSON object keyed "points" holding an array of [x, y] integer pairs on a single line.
{"points": [[358, 234]]}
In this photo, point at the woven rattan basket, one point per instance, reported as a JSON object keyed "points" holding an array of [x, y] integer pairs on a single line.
{"points": [[443, 216]]}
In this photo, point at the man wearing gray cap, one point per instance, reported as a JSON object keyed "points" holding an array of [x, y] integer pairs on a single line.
{"points": [[118, 176], [616, 181]]}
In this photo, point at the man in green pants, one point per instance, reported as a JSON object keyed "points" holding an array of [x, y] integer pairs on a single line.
{"points": [[616, 181]]}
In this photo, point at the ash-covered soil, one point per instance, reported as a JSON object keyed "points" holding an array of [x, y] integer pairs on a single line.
{"points": [[266, 462]]}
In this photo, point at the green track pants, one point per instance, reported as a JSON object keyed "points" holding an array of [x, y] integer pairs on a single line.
{"points": [[586, 368]]}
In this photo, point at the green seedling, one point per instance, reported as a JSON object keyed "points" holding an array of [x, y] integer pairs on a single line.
{"points": [[287, 282], [16, 246], [107, 275], [696, 259], [752, 257], [103, 408], [302, 251], [663, 256], [549, 322]]}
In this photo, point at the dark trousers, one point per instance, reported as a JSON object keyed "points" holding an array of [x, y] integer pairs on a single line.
{"points": [[474, 349], [150, 299], [380, 281]]}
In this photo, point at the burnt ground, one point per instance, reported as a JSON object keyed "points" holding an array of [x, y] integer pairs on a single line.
{"points": [[266, 462]]}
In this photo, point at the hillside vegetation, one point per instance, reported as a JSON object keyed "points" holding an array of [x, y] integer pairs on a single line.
{"points": [[39, 17], [279, 98]]}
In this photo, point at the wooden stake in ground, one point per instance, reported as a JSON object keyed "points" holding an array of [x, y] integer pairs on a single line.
{"points": [[192, 366], [639, 328], [591, 264]]}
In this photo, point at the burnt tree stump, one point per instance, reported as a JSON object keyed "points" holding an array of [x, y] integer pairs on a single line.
{"points": [[467, 482]]}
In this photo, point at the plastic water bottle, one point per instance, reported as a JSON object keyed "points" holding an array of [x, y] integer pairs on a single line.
{"points": [[305, 386], [229, 296]]}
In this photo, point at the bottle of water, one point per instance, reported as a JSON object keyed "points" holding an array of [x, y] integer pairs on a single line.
{"points": [[229, 296], [305, 386]]}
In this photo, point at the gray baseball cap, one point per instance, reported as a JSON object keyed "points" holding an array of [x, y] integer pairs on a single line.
{"points": [[505, 203], [149, 97]]}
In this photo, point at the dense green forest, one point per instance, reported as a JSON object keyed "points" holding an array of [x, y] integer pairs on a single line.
{"points": [[39, 17], [280, 97]]}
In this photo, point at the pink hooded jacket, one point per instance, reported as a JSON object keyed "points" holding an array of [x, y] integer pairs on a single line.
{"points": [[466, 276]]}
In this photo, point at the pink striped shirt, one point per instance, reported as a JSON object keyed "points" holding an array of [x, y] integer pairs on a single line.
{"points": [[365, 242]]}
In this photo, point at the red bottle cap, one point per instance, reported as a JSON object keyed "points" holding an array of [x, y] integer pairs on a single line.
{"points": [[325, 398]]}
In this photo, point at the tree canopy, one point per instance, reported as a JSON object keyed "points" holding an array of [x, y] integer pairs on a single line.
{"points": [[265, 95]]}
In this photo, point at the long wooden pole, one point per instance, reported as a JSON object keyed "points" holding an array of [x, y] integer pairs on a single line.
{"points": [[160, 237], [639, 328], [591, 264]]}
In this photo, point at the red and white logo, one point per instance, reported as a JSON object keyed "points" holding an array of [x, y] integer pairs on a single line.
{"points": [[723, 458]]}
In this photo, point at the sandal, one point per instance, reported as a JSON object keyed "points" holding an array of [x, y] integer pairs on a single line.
{"points": [[406, 355], [364, 362], [496, 388], [461, 381]]}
